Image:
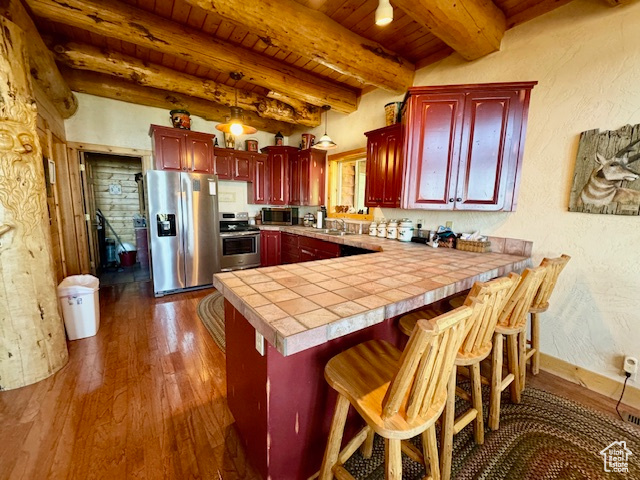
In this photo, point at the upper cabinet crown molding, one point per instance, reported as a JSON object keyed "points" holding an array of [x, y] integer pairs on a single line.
{"points": [[464, 146]]}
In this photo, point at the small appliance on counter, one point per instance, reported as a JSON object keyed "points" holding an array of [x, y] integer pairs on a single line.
{"points": [[321, 217], [280, 216], [239, 242]]}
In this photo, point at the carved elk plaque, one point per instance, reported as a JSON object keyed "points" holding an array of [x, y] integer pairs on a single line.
{"points": [[607, 174]]}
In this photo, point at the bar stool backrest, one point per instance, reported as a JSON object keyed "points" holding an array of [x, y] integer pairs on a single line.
{"points": [[514, 313], [487, 300], [419, 388], [553, 267]]}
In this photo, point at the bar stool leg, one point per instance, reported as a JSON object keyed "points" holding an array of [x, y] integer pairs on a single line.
{"points": [[393, 459], [512, 354], [448, 419], [476, 400], [496, 381], [335, 438], [535, 343], [522, 358], [367, 446], [430, 452]]}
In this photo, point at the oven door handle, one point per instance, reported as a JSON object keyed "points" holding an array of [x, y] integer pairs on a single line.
{"points": [[237, 234]]}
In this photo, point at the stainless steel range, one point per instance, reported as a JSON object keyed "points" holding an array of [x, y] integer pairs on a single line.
{"points": [[239, 242]]}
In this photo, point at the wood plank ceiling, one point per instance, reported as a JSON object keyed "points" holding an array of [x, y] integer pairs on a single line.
{"points": [[407, 38]]}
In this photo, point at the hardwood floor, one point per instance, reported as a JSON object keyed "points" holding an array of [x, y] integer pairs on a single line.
{"points": [[145, 398]]}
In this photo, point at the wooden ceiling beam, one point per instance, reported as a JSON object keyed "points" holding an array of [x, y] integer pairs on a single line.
{"points": [[292, 27], [117, 20], [42, 65], [615, 3], [473, 28], [88, 57], [115, 88]]}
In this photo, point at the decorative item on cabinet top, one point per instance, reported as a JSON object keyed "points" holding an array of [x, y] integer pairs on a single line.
{"points": [[180, 119]]}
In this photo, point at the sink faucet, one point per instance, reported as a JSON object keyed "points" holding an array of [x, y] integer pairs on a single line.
{"points": [[344, 225]]}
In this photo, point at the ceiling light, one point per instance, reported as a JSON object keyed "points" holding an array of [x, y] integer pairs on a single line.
{"points": [[325, 142], [235, 125], [384, 13]]}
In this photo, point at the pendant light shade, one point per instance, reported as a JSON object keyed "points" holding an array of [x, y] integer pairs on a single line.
{"points": [[384, 13], [235, 125], [325, 142]]}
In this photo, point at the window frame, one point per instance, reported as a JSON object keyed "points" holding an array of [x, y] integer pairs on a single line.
{"points": [[333, 161]]}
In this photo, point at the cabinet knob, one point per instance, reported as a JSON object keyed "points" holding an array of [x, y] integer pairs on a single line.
{"points": [[451, 200], [458, 199], [184, 168]]}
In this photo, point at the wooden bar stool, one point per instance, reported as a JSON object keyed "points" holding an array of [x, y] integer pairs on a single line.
{"points": [[541, 304], [512, 324], [398, 394], [487, 301]]}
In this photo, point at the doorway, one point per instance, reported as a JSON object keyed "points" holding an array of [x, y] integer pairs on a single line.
{"points": [[116, 227]]}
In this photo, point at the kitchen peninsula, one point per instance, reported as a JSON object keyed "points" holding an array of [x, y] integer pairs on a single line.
{"points": [[283, 323]]}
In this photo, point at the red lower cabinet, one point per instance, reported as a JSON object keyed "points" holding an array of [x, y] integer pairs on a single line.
{"points": [[270, 248]]}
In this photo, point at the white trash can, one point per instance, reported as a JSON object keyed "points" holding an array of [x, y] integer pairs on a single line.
{"points": [[78, 296]]}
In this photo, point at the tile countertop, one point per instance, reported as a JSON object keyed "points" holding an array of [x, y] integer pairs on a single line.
{"points": [[302, 305]]}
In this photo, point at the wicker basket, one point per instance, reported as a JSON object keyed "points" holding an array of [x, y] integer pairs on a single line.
{"points": [[473, 246]]}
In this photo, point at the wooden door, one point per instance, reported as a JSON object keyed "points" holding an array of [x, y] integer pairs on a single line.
{"points": [[433, 126], [242, 166], [278, 178], [169, 148], [88, 187], [315, 178], [258, 192], [223, 163], [199, 152], [486, 153], [296, 179]]}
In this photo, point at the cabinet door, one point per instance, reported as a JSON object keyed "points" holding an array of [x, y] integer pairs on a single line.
{"points": [[278, 184], [305, 166], [295, 180], [390, 165], [223, 163], [269, 248], [486, 153], [200, 152], [307, 254], [433, 128], [242, 166], [169, 149], [374, 186], [315, 178], [258, 192]]}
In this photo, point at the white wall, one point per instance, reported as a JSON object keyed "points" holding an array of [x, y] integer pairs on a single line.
{"points": [[104, 121], [585, 57]]}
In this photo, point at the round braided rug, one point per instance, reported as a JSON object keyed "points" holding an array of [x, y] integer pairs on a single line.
{"points": [[545, 437], [211, 312]]}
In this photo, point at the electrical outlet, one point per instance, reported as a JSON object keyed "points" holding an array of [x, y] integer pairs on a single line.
{"points": [[449, 224], [631, 366]]}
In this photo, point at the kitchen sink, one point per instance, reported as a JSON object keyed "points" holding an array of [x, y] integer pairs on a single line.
{"points": [[339, 233]]}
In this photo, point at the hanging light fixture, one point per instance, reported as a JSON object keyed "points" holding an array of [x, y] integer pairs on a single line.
{"points": [[235, 125], [325, 142], [384, 13]]}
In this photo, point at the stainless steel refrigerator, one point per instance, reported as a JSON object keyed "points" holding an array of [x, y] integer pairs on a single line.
{"points": [[183, 229]]}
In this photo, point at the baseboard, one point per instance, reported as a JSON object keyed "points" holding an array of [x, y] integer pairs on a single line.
{"points": [[591, 380]]}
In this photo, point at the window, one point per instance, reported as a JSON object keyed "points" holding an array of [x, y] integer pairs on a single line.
{"points": [[347, 183]]}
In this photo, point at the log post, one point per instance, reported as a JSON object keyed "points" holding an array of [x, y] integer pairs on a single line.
{"points": [[32, 339]]}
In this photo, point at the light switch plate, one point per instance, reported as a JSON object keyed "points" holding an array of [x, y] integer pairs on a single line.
{"points": [[259, 343]]}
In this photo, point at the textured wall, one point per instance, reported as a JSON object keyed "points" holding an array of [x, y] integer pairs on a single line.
{"points": [[585, 57], [104, 121]]}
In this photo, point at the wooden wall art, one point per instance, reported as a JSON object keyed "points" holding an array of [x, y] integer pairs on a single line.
{"points": [[607, 173]]}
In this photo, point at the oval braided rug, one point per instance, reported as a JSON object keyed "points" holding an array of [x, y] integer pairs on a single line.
{"points": [[545, 437], [211, 312]]}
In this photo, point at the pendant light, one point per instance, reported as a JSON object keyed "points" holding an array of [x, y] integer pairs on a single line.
{"points": [[325, 142], [235, 125], [384, 13]]}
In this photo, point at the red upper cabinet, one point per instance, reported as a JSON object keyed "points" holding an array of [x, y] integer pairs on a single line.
{"points": [[294, 179], [277, 175], [464, 145], [258, 192], [182, 150], [223, 163], [384, 167], [243, 165], [313, 165], [233, 164]]}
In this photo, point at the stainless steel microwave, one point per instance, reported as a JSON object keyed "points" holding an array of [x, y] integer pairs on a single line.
{"points": [[280, 216]]}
